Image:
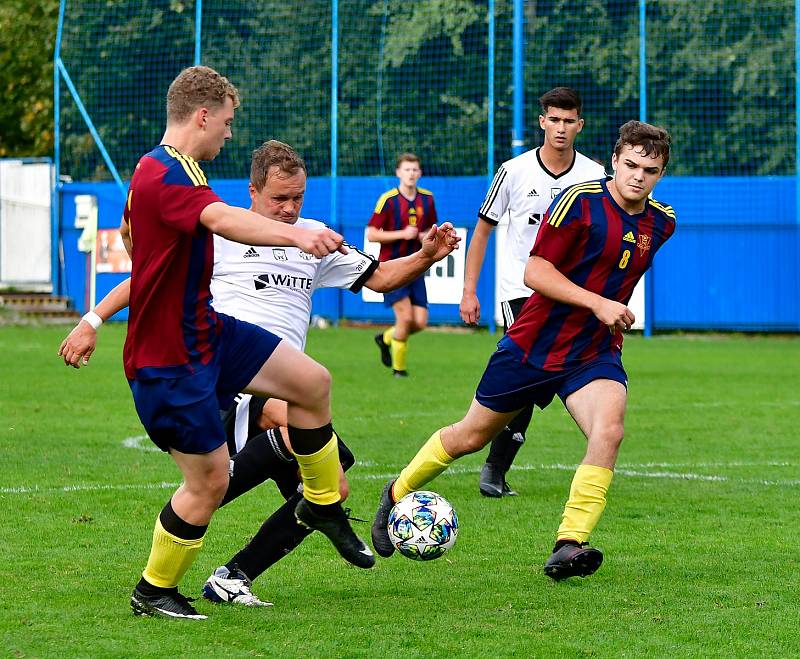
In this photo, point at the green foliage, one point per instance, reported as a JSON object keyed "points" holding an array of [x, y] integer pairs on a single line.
{"points": [[723, 82], [697, 534], [27, 35], [410, 77]]}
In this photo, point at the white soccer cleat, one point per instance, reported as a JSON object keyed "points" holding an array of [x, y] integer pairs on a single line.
{"points": [[231, 587]]}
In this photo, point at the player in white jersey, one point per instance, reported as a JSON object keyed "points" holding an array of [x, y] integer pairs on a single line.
{"points": [[519, 196], [272, 287]]}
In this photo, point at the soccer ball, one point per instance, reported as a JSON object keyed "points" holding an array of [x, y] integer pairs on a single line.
{"points": [[423, 525]]}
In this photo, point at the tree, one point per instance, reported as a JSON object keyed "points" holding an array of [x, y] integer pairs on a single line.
{"points": [[27, 35]]}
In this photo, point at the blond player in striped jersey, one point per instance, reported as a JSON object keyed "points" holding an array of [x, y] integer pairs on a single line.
{"points": [[272, 287], [519, 196]]}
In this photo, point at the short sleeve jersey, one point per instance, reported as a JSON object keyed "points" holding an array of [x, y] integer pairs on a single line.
{"points": [[272, 286], [172, 327], [520, 194], [395, 212], [590, 239]]}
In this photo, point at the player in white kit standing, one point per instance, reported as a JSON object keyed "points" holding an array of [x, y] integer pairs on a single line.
{"points": [[519, 196]]}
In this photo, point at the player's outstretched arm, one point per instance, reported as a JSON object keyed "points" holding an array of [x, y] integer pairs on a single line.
{"points": [[436, 245], [80, 343], [543, 277], [470, 307], [249, 228]]}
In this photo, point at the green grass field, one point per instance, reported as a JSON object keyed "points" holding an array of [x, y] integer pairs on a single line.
{"points": [[699, 533]]}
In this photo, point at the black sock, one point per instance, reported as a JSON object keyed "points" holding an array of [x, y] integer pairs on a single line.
{"points": [[149, 590], [279, 535], [264, 456], [509, 441], [178, 527], [325, 510], [306, 441]]}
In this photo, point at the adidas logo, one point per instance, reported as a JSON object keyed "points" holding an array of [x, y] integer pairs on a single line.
{"points": [[533, 193], [251, 254], [629, 237]]}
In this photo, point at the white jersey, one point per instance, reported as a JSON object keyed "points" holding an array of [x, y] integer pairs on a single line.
{"points": [[519, 196], [272, 286]]}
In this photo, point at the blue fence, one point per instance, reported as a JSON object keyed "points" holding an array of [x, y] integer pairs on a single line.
{"points": [[351, 84], [728, 267]]}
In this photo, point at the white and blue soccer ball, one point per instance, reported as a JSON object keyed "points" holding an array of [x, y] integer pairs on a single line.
{"points": [[423, 525]]}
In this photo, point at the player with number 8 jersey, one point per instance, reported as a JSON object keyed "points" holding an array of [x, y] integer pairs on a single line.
{"points": [[597, 241], [601, 247], [521, 192]]}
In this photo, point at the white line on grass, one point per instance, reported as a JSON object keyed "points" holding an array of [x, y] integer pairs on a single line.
{"points": [[141, 442], [454, 471], [86, 487]]}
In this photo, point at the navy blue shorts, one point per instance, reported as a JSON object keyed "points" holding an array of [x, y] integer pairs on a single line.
{"points": [[415, 290], [183, 413], [509, 383]]}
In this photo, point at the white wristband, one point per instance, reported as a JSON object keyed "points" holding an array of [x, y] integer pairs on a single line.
{"points": [[93, 319]]}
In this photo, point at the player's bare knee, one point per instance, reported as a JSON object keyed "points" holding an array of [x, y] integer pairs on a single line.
{"points": [[317, 387], [469, 441], [611, 435], [217, 485], [472, 444]]}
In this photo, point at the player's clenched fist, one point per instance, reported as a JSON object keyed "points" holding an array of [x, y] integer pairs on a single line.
{"points": [[320, 243], [614, 315]]}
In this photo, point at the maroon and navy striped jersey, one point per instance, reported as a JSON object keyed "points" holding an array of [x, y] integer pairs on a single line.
{"points": [[590, 239], [394, 212], [171, 324]]}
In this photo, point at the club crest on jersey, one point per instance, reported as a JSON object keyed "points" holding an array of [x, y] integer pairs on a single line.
{"points": [[279, 254], [554, 192], [643, 244]]}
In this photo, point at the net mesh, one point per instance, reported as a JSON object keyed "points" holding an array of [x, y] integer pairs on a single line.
{"points": [[414, 77]]}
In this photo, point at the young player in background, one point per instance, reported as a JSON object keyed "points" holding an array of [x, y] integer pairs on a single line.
{"points": [[401, 216], [596, 242], [519, 196]]}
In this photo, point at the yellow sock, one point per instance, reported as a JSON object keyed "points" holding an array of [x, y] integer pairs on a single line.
{"points": [[320, 472], [170, 557], [428, 463], [388, 335], [399, 349], [587, 499]]}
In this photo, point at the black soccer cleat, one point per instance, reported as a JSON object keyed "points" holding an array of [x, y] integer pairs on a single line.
{"points": [[507, 491], [380, 531], [400, 374], [386, 352], [165, 605], [573, 560], [492, 482], [337, 529]]}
